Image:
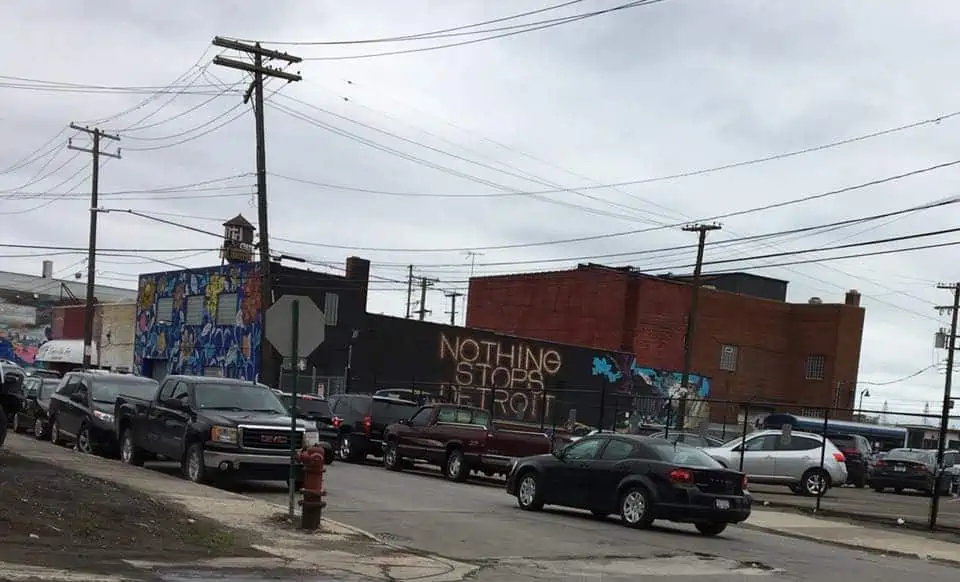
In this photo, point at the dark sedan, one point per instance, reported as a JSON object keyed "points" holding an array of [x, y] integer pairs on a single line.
{"points": [[916, 469], [641, 478]]}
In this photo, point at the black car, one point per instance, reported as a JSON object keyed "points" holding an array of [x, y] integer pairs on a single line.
{"points": [[360, 420], [35, 394], [858, 455], [317, 410], [916, 469], [688, 438], [641, 478], [81, 410], [11, 382]]}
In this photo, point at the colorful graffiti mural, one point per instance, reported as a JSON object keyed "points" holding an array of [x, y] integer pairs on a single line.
{"points": [[192, 348], [653, 388], [23, 329]]}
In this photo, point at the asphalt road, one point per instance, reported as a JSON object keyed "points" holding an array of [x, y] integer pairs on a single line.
{"points": [[480, 523], [913, 508]]}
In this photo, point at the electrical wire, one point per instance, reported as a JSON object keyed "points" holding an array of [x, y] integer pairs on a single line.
{"points": [[35, 154], [899, 380]]}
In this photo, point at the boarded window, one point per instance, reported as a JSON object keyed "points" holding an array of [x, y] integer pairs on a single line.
{"points": [[164, 309], [816, 365], [728, 358], [227, 309], [213, 371], [331, 305], [194, 312]]}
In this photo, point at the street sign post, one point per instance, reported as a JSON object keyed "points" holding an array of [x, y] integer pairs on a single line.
{"points": [[295, 327]]}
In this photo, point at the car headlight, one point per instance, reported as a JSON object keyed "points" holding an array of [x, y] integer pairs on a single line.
{"points": [[311, 438], [103, 416], [224, 434]]}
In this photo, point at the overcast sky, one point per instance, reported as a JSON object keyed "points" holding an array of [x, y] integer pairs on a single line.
{"points": [[653, 91]]}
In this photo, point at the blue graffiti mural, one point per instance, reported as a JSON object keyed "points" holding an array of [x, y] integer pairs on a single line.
{"points": [[654, 388], [187, 348]]}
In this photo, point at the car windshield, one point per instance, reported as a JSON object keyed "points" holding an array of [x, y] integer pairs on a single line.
{"points": [[684, 455], [237, 396], [106, 390], [905, 455], [307, 406]]}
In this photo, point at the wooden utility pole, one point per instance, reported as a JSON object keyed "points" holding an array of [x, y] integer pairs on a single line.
{"points": [[409, 291], [452, 295], [95, 151], [701, 230], [259, 70], [947, 402], [425, 283]]}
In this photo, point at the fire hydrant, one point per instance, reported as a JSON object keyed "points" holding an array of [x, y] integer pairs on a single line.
{"points": [[313, 501]]}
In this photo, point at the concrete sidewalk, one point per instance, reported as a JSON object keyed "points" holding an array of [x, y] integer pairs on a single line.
{"points": [[876, 539], [336, 550]]}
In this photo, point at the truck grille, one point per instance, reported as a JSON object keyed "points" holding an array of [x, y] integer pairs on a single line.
{"points": [[269, 439]]}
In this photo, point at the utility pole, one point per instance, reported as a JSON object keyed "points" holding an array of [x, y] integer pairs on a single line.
{"points": [[259, 70], [95, 151], [452, 295], [409, 291], [947, 402], [701, 230], [425, 283]]}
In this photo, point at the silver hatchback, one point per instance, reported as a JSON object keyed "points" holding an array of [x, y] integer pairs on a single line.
{"points": [[770, 457]]}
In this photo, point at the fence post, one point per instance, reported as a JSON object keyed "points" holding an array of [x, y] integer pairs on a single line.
{"points": [[543, 406], [823, 456], [669, 420], [603, 402], [616, 410], [743, 434]]}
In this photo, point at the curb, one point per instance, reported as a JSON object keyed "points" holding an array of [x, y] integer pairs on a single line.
{"points": [[860, 518]]}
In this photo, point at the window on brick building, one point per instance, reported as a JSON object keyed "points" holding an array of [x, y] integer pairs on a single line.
{"points": [[194, 312], [816, 365], [164, 309], [728, 358], [331, 308]]}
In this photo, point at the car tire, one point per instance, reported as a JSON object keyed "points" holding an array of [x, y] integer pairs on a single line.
{"points": [[83, 442], [15, 425], [636, 507], [391, 458], [130, 453], [529, 495], [56, 437], [455, 467], [192, 465], [813, 479], [39, 429], [710, 528], [345, 450]]}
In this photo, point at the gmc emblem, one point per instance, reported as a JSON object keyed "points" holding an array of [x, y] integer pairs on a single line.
{"points": [[274, 439]]}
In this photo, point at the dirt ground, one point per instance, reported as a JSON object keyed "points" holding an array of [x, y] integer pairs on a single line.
{"points": [[56, 518]]}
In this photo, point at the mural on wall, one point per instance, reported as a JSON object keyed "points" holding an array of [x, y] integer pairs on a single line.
{"points": [[192, 349], [653, 388], [506, 376], [23, 329]]}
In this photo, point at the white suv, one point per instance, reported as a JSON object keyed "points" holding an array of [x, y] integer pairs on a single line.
{"points": [[773, 459]]}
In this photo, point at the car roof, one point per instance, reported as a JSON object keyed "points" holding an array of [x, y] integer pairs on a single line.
{"points": [[104, 373], [212, 380], [636, 438], [378, 398]]}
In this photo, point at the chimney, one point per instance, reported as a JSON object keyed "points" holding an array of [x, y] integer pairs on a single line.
{"points": [[853, 298], [358, 270], [815, 301], [47, 272]]}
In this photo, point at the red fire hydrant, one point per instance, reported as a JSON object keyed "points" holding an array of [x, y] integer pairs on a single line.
{"points": [[313, 501]]}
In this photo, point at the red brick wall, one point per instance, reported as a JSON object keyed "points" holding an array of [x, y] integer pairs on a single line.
{"points": [[612, 310], [67, 322]]}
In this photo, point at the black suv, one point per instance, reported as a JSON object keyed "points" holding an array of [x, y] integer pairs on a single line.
{"points": [[859, 456], [315, 409], [360, 420], [34, 405], [81, 410]]}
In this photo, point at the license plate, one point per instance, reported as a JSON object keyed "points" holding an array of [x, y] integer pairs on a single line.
{"points": [[723, 504], [901, 469]]}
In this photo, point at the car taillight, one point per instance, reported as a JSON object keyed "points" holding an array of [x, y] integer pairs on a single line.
{"points": [[367, 421], [335, 421], [879, 463], [744, 483], [684, 476], [838, 457]]}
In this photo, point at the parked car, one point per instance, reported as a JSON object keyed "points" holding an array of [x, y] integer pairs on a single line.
{"points": [[641, 478], [82, 408], [360, 421], [459, 439], [419, 396], [215, 428], [11, 380], [771, 457], [34, 406], [317, 410], [43, 373], [858, 454], [689, 438], [916, 469]]}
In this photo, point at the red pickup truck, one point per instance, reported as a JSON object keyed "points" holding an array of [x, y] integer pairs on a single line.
{"points": [[459, 439]]}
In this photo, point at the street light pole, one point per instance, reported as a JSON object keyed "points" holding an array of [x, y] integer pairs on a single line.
{"points": [[864, 394]]}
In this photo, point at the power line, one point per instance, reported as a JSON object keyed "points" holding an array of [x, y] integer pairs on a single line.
{"points": [[903, 379]]}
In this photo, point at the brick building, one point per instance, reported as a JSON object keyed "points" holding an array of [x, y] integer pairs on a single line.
{"points": [[750, 343]]}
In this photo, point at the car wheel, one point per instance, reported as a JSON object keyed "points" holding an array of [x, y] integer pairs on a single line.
{"points": [[456, 466], [391, 458], [711, 528], [83, 442], [39, 429], [345, 449], [55, 436], [16, 425], [192, 465], [636, 509], [814, 482], [130, 454], [529, 496]]}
